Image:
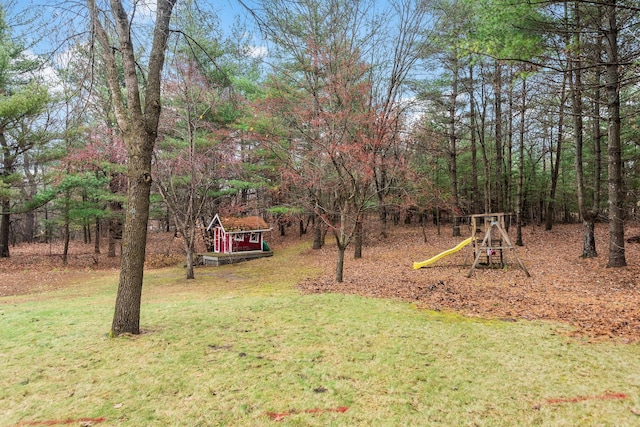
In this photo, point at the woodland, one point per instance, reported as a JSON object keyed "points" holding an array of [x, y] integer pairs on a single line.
{"points": [[592, 302], [340, 119]]}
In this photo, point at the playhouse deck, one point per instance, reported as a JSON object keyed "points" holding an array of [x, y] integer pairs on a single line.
{"points": [[216, 259]]}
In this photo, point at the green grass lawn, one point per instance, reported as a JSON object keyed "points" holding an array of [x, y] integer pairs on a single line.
{"points": [[239, 346]]}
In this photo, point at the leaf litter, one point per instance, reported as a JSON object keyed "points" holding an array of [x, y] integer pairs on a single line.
{"points": [[598, 302]]}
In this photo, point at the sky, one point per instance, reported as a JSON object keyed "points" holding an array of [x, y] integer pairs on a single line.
{"points": [[58, 18], [61, 18]]}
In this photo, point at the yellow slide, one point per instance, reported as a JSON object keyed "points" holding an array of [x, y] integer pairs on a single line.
{"points": [[417, 265]]}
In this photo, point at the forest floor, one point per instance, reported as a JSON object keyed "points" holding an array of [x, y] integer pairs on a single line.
{"points": [[596, 301], [38, 267]]}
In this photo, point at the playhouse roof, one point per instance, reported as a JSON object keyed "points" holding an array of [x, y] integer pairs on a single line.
{"points": [[240, 225]]}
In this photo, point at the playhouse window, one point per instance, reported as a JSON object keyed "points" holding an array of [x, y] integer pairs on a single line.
{"points": [[254, 238], [239, 237]]}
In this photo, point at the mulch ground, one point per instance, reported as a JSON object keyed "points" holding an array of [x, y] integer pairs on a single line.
{"points": [[598, 302]]}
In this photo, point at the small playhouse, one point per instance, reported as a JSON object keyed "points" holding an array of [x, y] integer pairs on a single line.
{"points": [[233, 239]]}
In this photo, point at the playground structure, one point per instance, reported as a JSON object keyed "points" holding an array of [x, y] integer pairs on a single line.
{"points": [[494, 242], [417, 265], [488, 249]]}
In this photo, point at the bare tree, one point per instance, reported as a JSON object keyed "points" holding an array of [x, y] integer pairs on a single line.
{"points": [[137, 110], [575, 69]]}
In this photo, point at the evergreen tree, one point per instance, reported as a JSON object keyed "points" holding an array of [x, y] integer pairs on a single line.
{"points": [[22, 99]]}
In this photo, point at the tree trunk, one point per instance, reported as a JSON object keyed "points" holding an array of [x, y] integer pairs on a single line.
{"points": [[499, 142], [115, 232], [96, 246], [487, 175], [137, 111], [114, 225], [485, 153], [189, 236], [382, 214], [29, 226], [5, 214], [126, 318], [575, 82], [66, 237], [357, 253], [47, 228], [5, 222], [475, 196], [189, 269], [317, 233], [508, 178], [453, 149], [520, 189], [342, 243], [590, 217], [589, 239], [30, 170], [555, 166], [616, 196], [340, 264], [66, 229], [85, 227], [190, 250]]}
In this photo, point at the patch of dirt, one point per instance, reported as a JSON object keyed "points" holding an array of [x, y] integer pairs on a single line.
{"points": [[599, 302]]}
